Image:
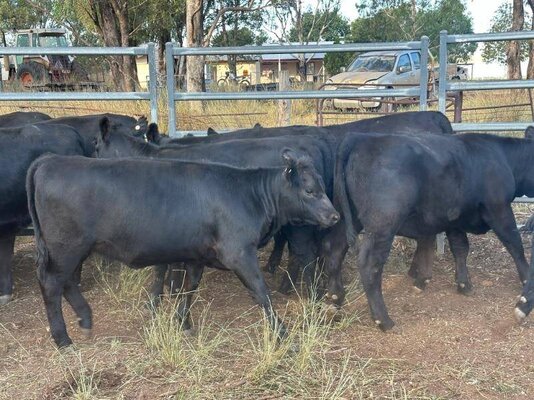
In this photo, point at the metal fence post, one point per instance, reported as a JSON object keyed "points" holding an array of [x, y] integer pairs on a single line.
{"points": [[442, 91], [152, 82], [171, 87], [423, 96]]}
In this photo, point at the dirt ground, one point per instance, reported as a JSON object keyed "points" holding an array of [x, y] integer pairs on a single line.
{"points": [[445, 345]]}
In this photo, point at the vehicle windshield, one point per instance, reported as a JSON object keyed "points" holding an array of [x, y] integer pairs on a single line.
{"points": [[373, 63], [52, 41]]}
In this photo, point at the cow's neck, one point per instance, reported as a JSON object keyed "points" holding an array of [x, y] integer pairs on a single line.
{"points": [[520, 155], [266, 194]]}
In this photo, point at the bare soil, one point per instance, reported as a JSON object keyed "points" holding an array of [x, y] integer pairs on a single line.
{"points": [[445, 345]]}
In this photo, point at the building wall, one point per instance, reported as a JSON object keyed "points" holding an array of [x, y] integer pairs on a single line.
{"points": [[142, 71]]}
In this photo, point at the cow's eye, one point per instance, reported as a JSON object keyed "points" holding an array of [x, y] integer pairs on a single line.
{"points": [[309, 191]]}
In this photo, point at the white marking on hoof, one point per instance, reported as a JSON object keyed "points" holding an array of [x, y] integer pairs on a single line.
{"points": [[88, 333], [417, 290], [327, 295], [523, 300], [525, 282], [462, 285], [6, 298], [334, 297], [519, 315], [427, 281], [189, 332], [378, 322]]}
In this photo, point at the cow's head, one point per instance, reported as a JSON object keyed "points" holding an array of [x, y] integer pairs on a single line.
{"points": [[112, 144], [303, 199], [529, 132]]}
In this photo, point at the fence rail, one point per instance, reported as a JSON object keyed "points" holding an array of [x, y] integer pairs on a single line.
{"points": [[173, 51], [148, 50], [447, 85]]}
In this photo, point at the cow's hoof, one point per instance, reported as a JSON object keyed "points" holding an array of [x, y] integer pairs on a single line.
{"points": [[519, 315], [421, 283], [87, 332], [190, 332], [385, 325], [416, 290], [412, 272], [285, 287], [6, 298], [269, 268], [465, 288]]}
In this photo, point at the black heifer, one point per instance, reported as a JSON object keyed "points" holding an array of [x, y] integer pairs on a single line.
{"points": [[88, 126], [241, 153], [209, 214], [417, 186], [18, 148], [19, 118]]}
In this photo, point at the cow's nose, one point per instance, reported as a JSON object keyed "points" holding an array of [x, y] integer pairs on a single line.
{"points": [[334, 218]]}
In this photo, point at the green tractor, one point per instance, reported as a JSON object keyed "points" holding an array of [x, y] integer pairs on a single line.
{"points": [[43, 70]]}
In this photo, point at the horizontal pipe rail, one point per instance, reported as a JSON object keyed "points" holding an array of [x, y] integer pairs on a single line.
{"points": [[290, 49], [30, 51], [312, 94], [53, 96], [490, 85], [491, 126], [490, 37]]}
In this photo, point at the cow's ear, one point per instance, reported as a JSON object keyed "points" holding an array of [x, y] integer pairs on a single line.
{"points": [[141, 125], [152, 133], [212, 131], [529, 132], [105, 130], [290, 159]]}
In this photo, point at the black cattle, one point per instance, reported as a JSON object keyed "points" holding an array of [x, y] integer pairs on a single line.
{"points": [[19, 118], [88, 126], [240, 153], [209, 214], [417, 186], [19, 146], [425, 122]]}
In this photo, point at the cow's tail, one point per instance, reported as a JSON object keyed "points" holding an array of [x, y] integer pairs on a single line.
{"points": [[341, 198], [42, 250]]}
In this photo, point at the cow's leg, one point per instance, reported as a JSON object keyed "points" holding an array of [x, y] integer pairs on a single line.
{"points": [[423, 259], [247, 269], [193, 274], [7, 245], [53, 274], [302, 248], [177, 276], [460, 249], [334, 247], [374, 251], [276, 255], [74, 296], [501, 219], [156, 291]]}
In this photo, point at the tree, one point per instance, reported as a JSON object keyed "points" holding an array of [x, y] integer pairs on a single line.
{"points": [[513, 59], [19, 15], [400, 20], [292, 22], [530, 68], [502, 21]]}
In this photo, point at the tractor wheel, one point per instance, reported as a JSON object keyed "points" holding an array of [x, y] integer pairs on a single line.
{"points": [[32, 73], [78, 73]]}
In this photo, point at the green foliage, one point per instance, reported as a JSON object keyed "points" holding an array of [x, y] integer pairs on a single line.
{"points": [[16, 14], [502, 22], [326, 25], [395, 20]]}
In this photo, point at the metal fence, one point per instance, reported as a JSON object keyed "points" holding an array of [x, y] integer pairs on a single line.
{"points": [[173, 51], [149, 51], [447, 85]]}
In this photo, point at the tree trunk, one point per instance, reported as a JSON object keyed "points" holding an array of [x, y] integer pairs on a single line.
{"points": [[513, 58], [194, 29], [530, 68], [129, 69], [110, 35]]}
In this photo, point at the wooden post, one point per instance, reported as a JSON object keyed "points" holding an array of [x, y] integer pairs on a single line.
{"points": [[531, 103], [284, 106], [458, 106]]}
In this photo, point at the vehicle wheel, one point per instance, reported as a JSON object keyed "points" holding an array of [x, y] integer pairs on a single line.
{"points": [[221, 82], [77, 72], [244, 84], [32, 73]]}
